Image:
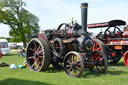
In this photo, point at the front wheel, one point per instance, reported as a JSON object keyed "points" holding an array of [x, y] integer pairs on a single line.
{"points": [[73, 64]]}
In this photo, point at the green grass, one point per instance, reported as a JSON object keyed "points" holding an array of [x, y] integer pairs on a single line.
{"points": [[116, 75]]}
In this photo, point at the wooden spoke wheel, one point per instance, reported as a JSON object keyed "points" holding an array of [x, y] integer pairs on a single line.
{"points": [[38, 55], [73, 64], [99, 45], [101, 62]]}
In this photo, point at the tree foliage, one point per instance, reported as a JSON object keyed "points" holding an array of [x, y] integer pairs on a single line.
{"points": [[21, 21]]}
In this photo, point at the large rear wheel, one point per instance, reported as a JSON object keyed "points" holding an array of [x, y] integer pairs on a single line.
{"points": [[38, 55]]}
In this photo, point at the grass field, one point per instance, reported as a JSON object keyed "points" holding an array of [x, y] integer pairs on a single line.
{"points": [[116, 75]]}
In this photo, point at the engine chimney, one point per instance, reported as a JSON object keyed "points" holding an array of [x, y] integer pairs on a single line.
{"points": [[84, 10]]}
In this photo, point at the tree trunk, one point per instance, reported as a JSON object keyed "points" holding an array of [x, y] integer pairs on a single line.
{"points": [[24, 40], [24, 43]]}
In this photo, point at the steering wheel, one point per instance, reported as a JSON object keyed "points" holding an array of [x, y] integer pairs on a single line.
{"points": [[60, 26], [113, 31]]}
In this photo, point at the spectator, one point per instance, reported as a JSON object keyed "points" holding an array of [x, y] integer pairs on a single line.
{"points": [[23, 53], [19, 50]]}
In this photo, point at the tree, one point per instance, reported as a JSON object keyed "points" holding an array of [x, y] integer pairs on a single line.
{"points": [[21, 21]]}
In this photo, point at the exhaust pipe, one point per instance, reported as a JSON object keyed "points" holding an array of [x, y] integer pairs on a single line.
{"points": [[84, 12]]}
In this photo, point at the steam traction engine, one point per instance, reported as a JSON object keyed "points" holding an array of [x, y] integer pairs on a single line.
{"points": [[113, 41], [70, 48]]}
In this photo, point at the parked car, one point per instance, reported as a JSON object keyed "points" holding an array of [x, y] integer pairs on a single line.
{"points": [[5, 49], [13, 45]]}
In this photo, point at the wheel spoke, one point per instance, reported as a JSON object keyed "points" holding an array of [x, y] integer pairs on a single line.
{"points": [[69, 69], [31, 57], [41, 51], [38, 48], [73, 71], [33, 64], [96, 45], [109, 31], [77, 63], [67, 66], [32, 49], [40, 56], [114, 30], [98, 49], [68, 62], [35, 47], [98, 68], [38, 63], [77, 68], [72, 58]]}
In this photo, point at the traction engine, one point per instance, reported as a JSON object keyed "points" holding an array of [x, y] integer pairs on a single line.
{"points": [[113, 41], [70, 48]]}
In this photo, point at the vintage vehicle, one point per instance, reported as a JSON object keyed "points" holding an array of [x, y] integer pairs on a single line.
{"points": [[5, 49], [113, 41], [70, 48]]}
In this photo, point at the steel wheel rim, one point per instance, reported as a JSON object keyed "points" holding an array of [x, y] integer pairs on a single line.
{"points": [[100, 63], [126, 59], [35, 55], [73, 65]]}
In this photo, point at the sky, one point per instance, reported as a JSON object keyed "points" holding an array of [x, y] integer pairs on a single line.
{"points": [[54, 12]]}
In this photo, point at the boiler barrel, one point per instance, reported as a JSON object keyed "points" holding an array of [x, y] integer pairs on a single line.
{"points": [[84, 12]]}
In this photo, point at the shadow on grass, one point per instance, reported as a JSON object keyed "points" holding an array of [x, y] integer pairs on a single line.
{"points": [[118, 64], [14, 54], [12, 81], [110, 71], [89, 74], [116, 72], [54, 70]]}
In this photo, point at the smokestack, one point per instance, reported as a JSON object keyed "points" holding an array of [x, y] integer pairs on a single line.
{"points": [[84, 11]]}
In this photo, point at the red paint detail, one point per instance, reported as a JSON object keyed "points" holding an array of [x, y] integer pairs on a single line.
{"points": [[83, 54], [119, 42], [70, 32], [126, 58], [92, 58], [42, 36], [96, 25], [113, 54], [125, 33], [97, 46]]}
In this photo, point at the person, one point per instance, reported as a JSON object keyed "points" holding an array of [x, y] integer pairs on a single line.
{"points": [[19, 50], [23, 53]]}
